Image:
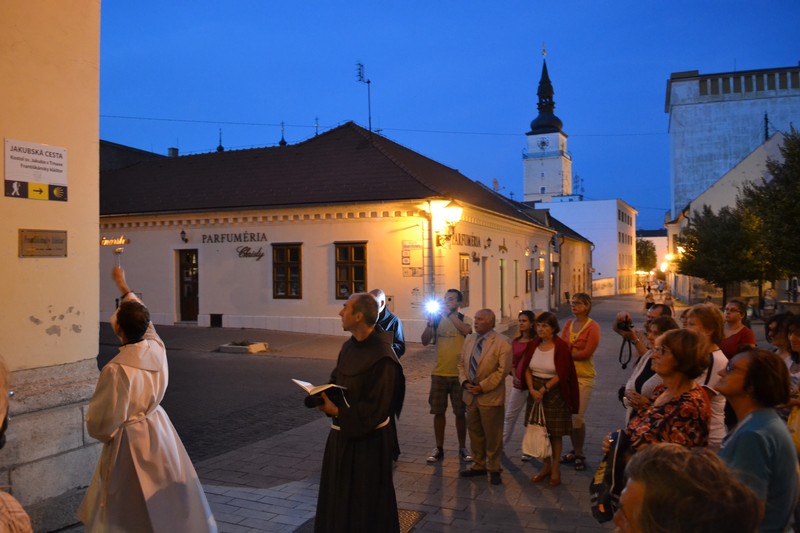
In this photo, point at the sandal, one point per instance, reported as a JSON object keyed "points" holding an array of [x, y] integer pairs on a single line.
{"points": [[541, 476], [580, 462], [569, 457]]}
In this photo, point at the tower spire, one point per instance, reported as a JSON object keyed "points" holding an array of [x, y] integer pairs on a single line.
{"points": [[547, 121], [282, 142]]}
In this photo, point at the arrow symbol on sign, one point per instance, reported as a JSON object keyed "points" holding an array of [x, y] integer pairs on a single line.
{"points": [[40, 191]]}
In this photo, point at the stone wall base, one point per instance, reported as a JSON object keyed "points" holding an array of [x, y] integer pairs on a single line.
{"points": [[49, 459]]}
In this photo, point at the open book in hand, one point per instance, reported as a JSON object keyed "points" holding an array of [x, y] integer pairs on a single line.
{"points": [[333, 391]]}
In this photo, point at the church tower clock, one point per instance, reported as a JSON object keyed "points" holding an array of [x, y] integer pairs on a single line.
{"points": [[547, 163]]}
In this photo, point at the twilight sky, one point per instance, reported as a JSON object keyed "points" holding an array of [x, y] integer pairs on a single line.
{"points": [[453, 80]]}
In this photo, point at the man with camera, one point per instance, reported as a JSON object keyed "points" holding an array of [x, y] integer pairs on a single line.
{"points": [[447, 328], [623, 326]]}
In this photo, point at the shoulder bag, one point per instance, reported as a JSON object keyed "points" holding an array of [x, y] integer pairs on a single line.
{"points": [[536, 441], [609, 480]]}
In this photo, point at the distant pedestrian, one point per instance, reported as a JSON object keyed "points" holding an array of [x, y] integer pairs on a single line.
{"points": [[144, 479], [661, 290], [356, 491], [768, 304], [669, 301], [649, 300]]}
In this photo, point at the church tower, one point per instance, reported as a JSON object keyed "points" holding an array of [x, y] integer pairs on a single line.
{"points": [[547, 163]]}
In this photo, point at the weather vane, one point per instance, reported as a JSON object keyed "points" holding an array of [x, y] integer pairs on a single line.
{"points": [[544, 50]]}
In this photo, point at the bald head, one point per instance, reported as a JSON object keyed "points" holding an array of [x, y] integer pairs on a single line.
{"points": [[484, 321], [380, 297]]}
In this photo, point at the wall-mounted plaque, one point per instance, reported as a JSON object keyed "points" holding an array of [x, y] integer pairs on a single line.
{"points": [[35, 171], [42, 243]]}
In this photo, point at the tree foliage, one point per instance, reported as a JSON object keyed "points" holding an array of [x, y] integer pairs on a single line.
{"points": [[773, 209], [755, 240], [716, 248], [646, 259]]}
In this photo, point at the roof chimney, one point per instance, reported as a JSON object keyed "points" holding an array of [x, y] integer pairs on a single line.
{"points": [[172, 152]]}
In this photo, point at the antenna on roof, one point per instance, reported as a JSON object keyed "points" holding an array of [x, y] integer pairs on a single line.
{"points": [[360, 77], [220, 148], [316, 126], [282, 142]]}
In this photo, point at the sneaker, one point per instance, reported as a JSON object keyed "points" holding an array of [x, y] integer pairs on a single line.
{"points": [[464, 455], [436, 455]]}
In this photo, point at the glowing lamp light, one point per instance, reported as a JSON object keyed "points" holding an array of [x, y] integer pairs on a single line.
{"points": [[444, 217], [432, 307], [452, 213]]}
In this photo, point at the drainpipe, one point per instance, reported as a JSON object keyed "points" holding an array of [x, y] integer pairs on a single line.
{"points": [[430, 291]]}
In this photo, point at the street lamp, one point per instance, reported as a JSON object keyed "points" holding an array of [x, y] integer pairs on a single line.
{"points": [[445, 227]]}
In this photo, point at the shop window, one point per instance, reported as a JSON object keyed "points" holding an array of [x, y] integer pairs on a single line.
{"points": [[351, 268], [287, 270], [463, 278]]}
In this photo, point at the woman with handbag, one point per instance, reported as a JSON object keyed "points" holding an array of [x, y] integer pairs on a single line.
{"points": [[552, 381], [517, 395]]}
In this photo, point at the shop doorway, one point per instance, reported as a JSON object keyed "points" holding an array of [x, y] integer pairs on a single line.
{"points": [[188, 285]]}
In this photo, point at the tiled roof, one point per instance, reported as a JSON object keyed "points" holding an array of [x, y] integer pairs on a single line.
{"points": [[347, 164]]}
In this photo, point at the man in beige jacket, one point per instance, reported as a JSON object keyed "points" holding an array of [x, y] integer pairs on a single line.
{"points": [[482, 368]]}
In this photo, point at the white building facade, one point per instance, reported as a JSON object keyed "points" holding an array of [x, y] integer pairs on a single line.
{"points": [[611, 226], [290, 266], [716, 120]]}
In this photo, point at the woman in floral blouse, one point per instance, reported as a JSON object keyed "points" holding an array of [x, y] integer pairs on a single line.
{"points": [[681, 412]]}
